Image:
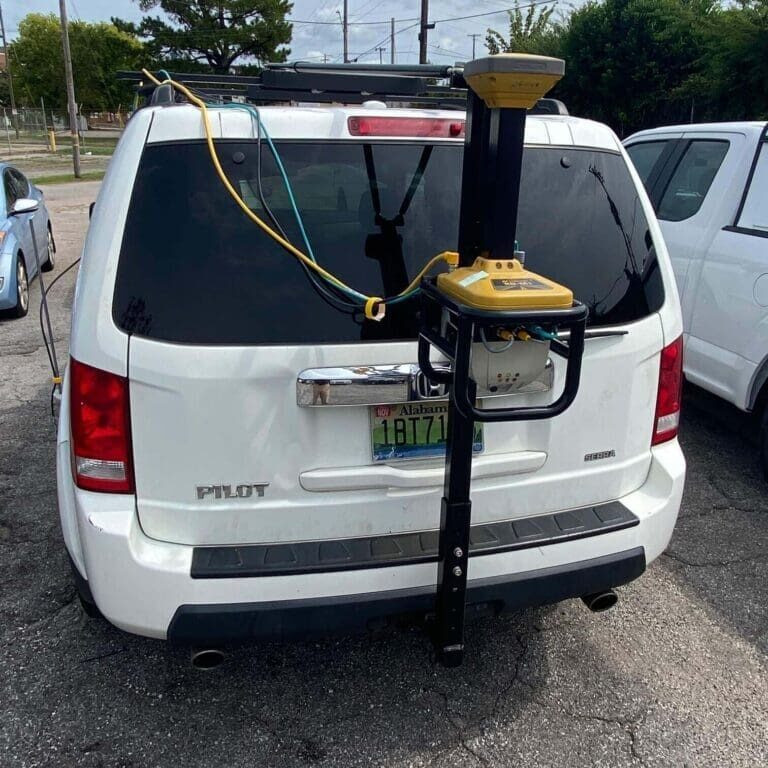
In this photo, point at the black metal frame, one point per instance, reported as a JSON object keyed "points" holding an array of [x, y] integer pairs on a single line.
{"points": [[467, 322]]}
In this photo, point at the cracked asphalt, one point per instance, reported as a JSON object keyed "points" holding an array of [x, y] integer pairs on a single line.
{"points": [[676, 675]]}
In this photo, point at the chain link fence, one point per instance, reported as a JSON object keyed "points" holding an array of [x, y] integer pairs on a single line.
{"points": [[40, 130]]}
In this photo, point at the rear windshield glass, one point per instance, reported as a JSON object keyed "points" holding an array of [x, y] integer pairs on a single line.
{"points": [[194, 269]]}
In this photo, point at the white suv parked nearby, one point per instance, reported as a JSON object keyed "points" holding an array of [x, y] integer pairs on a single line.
{"points": [[235, 456], [709, 185]]}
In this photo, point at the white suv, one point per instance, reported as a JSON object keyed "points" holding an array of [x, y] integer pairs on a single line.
{"points": [[236, 451], [709, 185]]}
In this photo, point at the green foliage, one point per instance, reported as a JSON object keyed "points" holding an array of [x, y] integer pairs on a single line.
{"points": [[733, 80], [215, 32], [642, 63], [631, 61], [532, 32], [98, 51]]}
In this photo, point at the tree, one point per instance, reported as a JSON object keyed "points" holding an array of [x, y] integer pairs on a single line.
{"points": [[733, 80], [98, 51], [536, 32], [218, 33], [631, 63]]}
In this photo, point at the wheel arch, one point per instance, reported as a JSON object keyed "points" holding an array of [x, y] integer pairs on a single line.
{"points": [[758, 388]]}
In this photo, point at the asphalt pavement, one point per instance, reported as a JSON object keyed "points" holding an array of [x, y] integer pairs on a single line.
{"points": [[675, 675]]}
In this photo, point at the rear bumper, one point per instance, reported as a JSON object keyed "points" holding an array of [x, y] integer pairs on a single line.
{"points": [[347, 614], [146, 586]]}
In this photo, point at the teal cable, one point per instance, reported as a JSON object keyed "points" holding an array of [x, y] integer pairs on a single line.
{"points": [[278, 161], [294, 206]]}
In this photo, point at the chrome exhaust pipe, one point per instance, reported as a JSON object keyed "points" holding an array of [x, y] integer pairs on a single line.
{"points": [[207, 658], [601, 601]]}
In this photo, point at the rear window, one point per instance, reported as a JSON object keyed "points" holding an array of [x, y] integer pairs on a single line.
{"points": [[194, 269]]}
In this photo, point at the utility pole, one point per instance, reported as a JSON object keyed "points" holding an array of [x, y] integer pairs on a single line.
{"points": [[424, 26], [14, 116], [381, 51], [71, 103], [345, 24], [474, 37], [392, 41]]}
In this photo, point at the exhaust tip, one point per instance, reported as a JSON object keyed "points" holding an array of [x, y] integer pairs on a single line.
{"points": [[601, 601], [207, 658]]}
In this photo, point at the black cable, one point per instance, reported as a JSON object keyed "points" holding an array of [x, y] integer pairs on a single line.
{"points": [[337, 302], [42, 327]]}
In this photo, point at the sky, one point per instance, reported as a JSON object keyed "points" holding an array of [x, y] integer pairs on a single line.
{"points": [[450, 41]]}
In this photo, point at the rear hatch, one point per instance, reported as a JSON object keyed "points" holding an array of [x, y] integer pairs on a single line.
{"points": [[259, 403]]}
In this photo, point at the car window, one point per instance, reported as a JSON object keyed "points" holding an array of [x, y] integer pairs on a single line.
{"points": [[691, 180], [22, 185], [754, 213], [11, 191], [645, 155], [194, 269]]}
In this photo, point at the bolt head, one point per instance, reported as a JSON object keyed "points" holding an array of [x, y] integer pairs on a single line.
{"points": [[457, 571], [458, 552]]}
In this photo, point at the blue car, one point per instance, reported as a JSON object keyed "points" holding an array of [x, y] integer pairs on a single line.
{"points": [[20, 203]]}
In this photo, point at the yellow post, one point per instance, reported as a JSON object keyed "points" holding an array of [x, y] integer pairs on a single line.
{"points": [[52, 141]]}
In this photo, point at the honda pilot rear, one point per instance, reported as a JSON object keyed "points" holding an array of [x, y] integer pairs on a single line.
{"points": [[243, 453]]}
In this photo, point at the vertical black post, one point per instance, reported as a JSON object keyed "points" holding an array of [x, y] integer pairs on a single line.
{"points": [[471, 211], [455, 514], [490, 184], [502, 192]]}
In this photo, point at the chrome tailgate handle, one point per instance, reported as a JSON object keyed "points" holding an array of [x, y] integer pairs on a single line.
{"points": [[387, 385]]}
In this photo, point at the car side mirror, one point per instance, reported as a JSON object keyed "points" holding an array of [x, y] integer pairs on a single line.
{"points": [[24, 205]]}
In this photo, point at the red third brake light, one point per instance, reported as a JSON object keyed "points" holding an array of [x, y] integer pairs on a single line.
{"points": [[101, 433], [431, 127], [667, 419]]}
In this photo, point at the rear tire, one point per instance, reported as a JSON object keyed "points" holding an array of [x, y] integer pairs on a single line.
{"points": [[50, 244], [22, 289], [87, 603], [764, 441]]}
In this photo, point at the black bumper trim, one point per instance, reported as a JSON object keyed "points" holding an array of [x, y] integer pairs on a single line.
{"points": [[404, 548], [347, 614]]}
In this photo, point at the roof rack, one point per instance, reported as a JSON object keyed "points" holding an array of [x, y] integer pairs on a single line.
{"points": [[437, 86]]}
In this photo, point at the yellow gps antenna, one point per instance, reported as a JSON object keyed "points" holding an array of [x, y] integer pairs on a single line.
{"points": [[495, 321], [500, 90]]}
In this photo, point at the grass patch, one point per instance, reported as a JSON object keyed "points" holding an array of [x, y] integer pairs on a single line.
{"points": [[97, 150], [66, 178]]}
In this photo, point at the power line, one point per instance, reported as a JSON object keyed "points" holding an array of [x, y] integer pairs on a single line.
{"points": [[418, 18], [442, 21], [449, 52]]}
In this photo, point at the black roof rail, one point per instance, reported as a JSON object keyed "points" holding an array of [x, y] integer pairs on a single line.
{"points": [[343, 83], [433, 85]]}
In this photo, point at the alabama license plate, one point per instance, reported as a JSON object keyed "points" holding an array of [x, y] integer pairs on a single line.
{"points": [[413, 431]]}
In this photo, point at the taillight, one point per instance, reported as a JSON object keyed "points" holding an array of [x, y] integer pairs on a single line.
{"points": [[434, 127], [101, 432], [667, 419]]}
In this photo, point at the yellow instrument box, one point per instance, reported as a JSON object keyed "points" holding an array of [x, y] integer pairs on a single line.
{"points": [[503, 285]]}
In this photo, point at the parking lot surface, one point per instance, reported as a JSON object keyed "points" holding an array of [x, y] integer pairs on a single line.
{"points": [[676, 675]]}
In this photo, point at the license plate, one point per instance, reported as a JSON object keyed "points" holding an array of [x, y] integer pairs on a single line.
{"points": [[413, 431]]}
